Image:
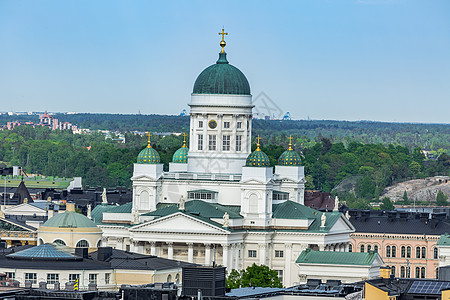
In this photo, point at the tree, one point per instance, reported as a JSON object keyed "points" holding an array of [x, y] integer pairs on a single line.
{"points": [[386, 204], [405, 198], [441, 199], [254, 275]]}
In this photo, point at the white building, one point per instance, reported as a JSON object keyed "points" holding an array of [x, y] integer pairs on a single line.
{"points": [[219, 201]]}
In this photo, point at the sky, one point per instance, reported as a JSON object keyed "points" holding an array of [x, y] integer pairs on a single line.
{"points": [[380, 60]]}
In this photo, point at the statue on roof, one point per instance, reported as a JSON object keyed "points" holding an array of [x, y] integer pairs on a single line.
{"points": [[104, 199], [336, 204], [347, 215], [323, 219], [89, 210], [182, 203], [226, 219]]}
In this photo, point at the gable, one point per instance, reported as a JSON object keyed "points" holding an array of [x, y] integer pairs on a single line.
{"points": [[342, 225], [24, 208], [179, 223]]}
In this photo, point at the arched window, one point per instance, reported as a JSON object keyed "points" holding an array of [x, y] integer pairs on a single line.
{"points": [[403, 249], [41, 241], [417, 252], [177, 279], [402, 272], [394, 251], [435, 253], [350, 248], [393, 270], [169, 278], [82, 244], [408, 252], [424, 252], [388, 251], [422, 272], [59, 242], [361, 249], [417, 272], [369, 247], [99, 243], [375, 248]]}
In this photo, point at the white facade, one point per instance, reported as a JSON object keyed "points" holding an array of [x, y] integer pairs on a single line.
{"points": [[266, 222]]}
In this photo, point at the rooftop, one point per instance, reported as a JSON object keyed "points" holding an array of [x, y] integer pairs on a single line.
{"points": [[337, 258]]}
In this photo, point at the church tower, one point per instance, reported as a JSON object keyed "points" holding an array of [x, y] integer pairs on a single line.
{"points": [[221, 119]]}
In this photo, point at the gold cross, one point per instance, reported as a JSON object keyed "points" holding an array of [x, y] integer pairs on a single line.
{"points": [[148, 143], [184, 139], [222, 43], [257, 143], [290, 142]]}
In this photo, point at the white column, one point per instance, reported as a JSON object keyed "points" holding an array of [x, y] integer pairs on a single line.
{"points": [[346, 247], [193, 136], [287, 264], [233, 255], [225, 257], [233, 137], [119, 244], [190, 252], [342, 247], [262, 254], [207, 254], [152, 248], [170, 250], [205, 139], [321, 247], [236, 256]]}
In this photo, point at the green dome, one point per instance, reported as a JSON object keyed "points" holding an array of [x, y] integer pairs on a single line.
{"points": [[69, 219], [180, 156], [257, 159], [222, 78], [148, 156], [290, 158]]}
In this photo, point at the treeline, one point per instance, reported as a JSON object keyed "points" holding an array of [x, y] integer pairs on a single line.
{"points": [[434, 137]]}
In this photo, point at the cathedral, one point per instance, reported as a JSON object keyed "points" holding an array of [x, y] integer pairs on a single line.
{"points": [[220, 203]]}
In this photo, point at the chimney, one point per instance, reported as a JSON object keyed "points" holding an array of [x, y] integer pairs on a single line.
{"points": [[82, 252], [103, 253]]}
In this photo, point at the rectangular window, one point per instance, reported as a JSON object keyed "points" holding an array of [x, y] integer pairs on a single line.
{"points": [[73, 277], [31, 277], [226, 143], [11, 275], [52, 278], [279, 253], [239, 143], [107, 277], [280, 275], [200, 124], [251, 253], [226, 125], [212, 142], [239, 125], [93, 278], [200, 142]]}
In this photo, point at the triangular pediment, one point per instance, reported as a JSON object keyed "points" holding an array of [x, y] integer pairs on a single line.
{"points": [[342, 225], [256, 182], [24, 207], [179, 223], [143, 178]]}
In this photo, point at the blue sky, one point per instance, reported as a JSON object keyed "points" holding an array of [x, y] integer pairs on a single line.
{"points": [[386, 60]]}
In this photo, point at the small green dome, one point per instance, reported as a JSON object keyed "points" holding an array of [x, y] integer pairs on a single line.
{"points": [[148, 156], [257, 159], [69, 219], [290, 158], [180, 156], [222, 78]]}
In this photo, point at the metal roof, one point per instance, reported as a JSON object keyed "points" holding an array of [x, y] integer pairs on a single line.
{"points": [[336, 258], [43, 252]]}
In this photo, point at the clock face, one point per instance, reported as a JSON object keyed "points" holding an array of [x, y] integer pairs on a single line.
{"points": [[212, 124]]}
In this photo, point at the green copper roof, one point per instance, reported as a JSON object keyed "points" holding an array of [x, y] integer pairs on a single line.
{"points": [[222, 78], [148, 155], [257, 159], [180, 156], [69, 219], [290, 158], [444, 240], [337, 258]]}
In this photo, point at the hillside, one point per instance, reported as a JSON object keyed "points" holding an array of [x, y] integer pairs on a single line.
{"points": [[419, 189]]}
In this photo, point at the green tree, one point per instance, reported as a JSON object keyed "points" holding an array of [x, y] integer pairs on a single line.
{"points": [[441, 199], [405, 198], [254, 275], [386, 204], [234, 280]]}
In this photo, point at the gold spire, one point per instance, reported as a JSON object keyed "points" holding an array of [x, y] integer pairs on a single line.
{"points": [[148, 143], [290, 142], [222, 43], [184, 139], [257, 143]]}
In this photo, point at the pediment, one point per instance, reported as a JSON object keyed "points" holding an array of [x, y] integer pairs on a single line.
{"points": [[143, 178], [256, 182], [24, 207], [179, 223], [342, 225]]}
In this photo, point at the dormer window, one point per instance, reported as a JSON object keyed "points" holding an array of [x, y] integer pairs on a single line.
{"points": [[278, 195]]}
